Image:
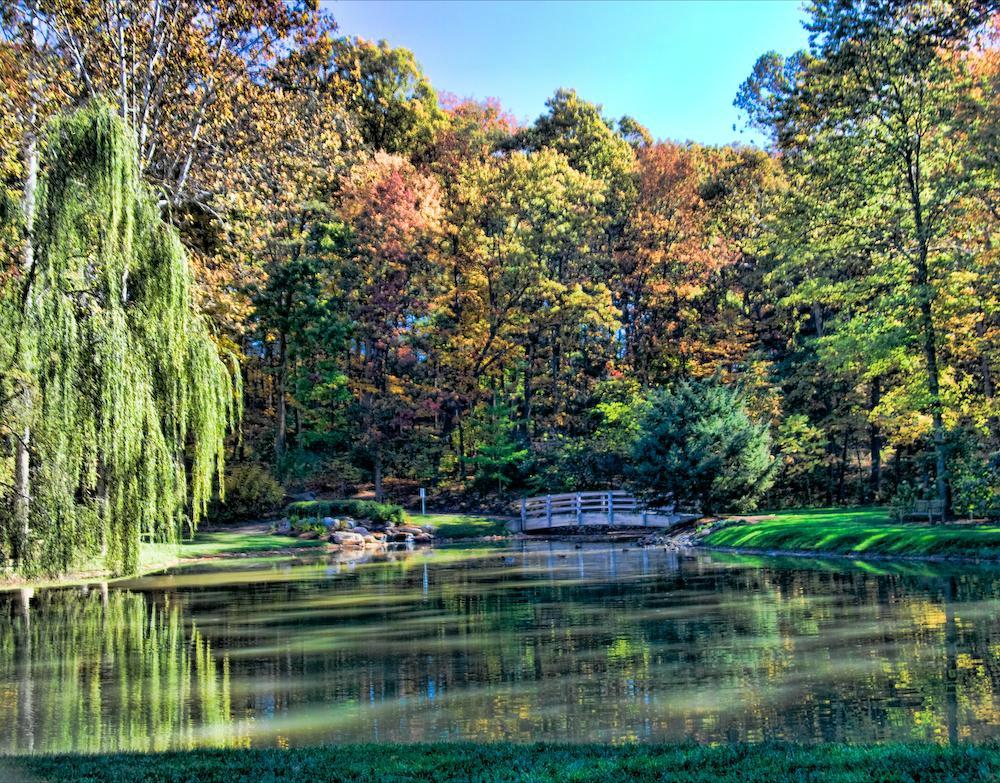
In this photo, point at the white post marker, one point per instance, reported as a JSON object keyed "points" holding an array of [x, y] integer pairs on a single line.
{"points": [[423, 501]]}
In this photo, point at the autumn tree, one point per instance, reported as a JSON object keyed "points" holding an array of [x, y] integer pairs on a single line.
{"points": [[394, 214], [388, 97], [872, 109]]}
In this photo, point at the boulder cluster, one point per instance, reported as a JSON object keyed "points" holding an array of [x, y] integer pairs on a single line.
{"points": [[349, 533]]}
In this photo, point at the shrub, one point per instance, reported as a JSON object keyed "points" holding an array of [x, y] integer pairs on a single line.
{"points": [[975, 487], [902, 501], [306, 525], [359, 509], [698, 446], [251, 491]]}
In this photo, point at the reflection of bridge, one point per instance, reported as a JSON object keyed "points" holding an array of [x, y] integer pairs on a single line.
{"points": [[610, 508]]}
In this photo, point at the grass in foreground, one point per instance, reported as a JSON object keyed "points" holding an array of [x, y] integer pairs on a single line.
{"points": [[453, 527], [860, 531], [508, 763]]}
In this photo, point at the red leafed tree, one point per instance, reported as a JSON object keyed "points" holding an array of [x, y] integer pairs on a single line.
{"points": [[394, 212]]}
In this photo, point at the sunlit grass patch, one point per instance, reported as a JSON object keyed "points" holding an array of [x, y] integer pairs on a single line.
{"points": [[862, 531], [216, 544], [458, 526]]}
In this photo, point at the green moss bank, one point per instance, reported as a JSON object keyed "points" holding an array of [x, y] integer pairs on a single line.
{"points": [[541, 763], [860, 532]]}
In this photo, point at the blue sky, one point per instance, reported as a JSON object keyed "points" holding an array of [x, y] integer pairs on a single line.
{"points": [[674, 66]]}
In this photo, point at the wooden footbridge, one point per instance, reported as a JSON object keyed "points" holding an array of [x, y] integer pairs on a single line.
{"points": [[610, 508]]}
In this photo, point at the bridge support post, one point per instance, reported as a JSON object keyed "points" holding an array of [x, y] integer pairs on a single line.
{"points": [[611, 509], [548, 510]]}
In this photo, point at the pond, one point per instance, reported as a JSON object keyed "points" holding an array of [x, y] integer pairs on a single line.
{"points": [[532, 642]]}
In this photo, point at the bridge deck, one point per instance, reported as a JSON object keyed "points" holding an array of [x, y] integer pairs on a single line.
{"points": [[611, 508]]}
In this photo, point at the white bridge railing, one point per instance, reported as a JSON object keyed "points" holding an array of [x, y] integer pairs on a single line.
{"points": [[609, 508]]}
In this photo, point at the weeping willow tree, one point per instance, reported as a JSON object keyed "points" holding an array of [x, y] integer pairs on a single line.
{"points": [[130, 399]]}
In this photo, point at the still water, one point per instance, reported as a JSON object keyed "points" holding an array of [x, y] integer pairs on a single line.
{"points": [[536, 642]]}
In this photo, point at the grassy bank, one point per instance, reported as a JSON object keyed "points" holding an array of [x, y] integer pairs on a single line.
{"points": [[256, 542], [506, 763], [861, 531], [204, 546]]}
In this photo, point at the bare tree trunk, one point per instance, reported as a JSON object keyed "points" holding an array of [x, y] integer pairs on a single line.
{"points": [[843, 467], [101, 496], [379, 494], [526, 410], [281, 428], [817, 313], [875, 440], [925, 296], [933, 387], [462, 471], [22, 453], [984, 360]]}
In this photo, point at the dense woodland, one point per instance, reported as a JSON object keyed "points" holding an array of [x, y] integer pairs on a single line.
{"points": [[416, 289]]}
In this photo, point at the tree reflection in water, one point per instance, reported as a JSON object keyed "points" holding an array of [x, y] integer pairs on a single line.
{"points": [[531, 643]]}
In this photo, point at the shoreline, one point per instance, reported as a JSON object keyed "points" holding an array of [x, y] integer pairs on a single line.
{"points": [[875, 558], [236, 545], [274, 546], [256, 540]]}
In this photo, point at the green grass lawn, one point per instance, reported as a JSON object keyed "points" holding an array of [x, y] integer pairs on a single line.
{"points": [[217, 543], [454, 527], [860, 531], [510, 763]]}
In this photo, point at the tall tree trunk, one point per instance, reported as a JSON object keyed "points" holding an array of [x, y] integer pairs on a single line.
{"points": [[554, 366], [817, 313], [843, 467], [933, 387], [987, 373], [875, 440], [526, 411], [925, 295], [22, 445], [379, 494], [462, 470], [281, 411], [984, 360]]}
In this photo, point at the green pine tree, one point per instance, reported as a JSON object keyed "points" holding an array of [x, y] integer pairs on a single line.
{"points": [[698, 446]]}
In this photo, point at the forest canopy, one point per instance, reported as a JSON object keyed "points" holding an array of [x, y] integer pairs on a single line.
{"points": [[420, 290]]}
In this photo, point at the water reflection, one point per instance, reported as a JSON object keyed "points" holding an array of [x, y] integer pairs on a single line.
{"points": [[541, 642]]}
